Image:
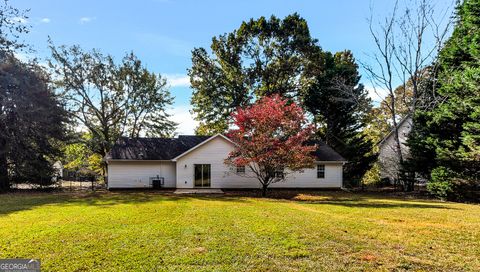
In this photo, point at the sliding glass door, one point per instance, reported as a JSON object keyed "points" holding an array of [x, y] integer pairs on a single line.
{"points": [[202, 175]]}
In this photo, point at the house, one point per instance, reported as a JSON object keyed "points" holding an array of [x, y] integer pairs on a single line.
{"points": [[199, 162], [387, 157]]}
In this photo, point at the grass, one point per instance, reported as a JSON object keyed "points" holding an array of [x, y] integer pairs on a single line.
{"points": [[307, 231]]}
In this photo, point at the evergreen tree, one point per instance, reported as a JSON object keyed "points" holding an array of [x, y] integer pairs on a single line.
{"points": [[451, 131], [340, 106]]}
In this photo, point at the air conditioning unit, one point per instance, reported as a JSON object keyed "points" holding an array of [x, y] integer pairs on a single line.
{"points": [[157, 182]]}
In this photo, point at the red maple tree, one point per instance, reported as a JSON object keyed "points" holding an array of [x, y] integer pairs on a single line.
{"points": [[270, 140]]}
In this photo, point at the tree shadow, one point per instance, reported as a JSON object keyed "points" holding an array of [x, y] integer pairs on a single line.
{"points": [[20, 201], [342, 198], [381, 205], [28, 199]]}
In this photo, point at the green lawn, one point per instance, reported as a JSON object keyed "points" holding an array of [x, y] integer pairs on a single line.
{"points": [[308, 232]]}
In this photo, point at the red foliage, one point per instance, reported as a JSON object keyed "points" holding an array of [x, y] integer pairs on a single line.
{"points": [[271, 135]]}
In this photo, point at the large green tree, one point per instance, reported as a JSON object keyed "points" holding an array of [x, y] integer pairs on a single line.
{"points": [[31, 121], [450, 133], [262, 57], [274, 56], [340, 106], [111, 100], [31, 117]]}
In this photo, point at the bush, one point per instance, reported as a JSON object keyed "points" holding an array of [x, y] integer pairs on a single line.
{"points": [[440, 184], [372, 176]]}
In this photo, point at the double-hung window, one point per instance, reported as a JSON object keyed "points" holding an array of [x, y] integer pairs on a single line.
{"points": [[320, 171], [241, 169]]}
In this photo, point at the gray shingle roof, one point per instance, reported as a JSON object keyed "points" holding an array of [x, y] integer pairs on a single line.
{"points": [[326, 153], [169, 148], [153, 148]]}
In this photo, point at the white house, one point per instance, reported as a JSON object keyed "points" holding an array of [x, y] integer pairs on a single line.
{"points": [[198, 162], [387, 157]]}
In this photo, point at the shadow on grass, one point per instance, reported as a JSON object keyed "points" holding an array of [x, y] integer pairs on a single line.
{"points": [[19, 201], [380, 205], [345, 199]]}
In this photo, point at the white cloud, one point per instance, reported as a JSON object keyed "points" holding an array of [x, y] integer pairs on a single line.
{"points": [[376, 94], [186, 125], [85, 20], [20, 20], [45, 20], [178, 80], [25, 57]]}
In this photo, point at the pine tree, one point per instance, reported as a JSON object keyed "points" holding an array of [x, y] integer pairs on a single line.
{"points": [[450, 133], [340, 106]]}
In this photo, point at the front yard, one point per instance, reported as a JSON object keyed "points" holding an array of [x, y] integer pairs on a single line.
{"points": [[311, 231]]}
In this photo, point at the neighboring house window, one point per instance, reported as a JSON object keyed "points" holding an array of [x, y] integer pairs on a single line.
{"points": [[279, 173], [321, 171], [241, 169]]}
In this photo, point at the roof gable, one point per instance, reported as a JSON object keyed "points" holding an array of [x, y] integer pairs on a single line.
{"points": [[201, 144], [406, 120]]}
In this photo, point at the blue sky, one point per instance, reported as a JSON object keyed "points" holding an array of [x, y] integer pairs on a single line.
{"points": [[163, 32]]}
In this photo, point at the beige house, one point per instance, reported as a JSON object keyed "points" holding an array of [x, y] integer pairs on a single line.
{"points": [[198, 162]]}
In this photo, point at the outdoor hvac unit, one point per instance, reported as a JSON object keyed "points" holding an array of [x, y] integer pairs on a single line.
{"points": [[157, 182]]}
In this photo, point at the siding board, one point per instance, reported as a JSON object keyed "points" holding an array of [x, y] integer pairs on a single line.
{"points": [[224, 176], [136, 174]]}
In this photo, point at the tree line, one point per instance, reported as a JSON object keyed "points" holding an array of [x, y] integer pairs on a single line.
{"points": [[73, 109], [268, 56], [78, 106]]}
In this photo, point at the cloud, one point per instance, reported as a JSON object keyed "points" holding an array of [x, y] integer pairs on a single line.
{"points": [[181, 115], [25, 57], [85, 20], [377, 94], [20, 20], [45, 20], [178, 80]]}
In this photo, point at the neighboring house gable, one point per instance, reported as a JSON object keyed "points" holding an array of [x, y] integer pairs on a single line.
{"points": [[388, 157]]}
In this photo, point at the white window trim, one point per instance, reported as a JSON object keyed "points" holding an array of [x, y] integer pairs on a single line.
{"points": [[318, 171]]}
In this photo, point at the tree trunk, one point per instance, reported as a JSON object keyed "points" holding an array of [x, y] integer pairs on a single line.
{"points": [[104, 166], [105, 173], [264, 190], [398, 147]]}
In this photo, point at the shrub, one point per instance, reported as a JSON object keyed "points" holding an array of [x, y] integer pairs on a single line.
{"points": [[440, 184], [372, 176]]}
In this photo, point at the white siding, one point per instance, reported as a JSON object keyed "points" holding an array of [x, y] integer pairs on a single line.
{"points": [[387, 157], [308, 178], [136, 174], [223, 176]]}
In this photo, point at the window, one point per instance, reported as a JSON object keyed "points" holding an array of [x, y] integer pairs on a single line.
{"points": [[321, 171], [241, 169]]}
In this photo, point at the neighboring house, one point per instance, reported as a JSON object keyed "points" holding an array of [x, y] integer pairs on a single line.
{"points": [[199, 162], [387, 157]]}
